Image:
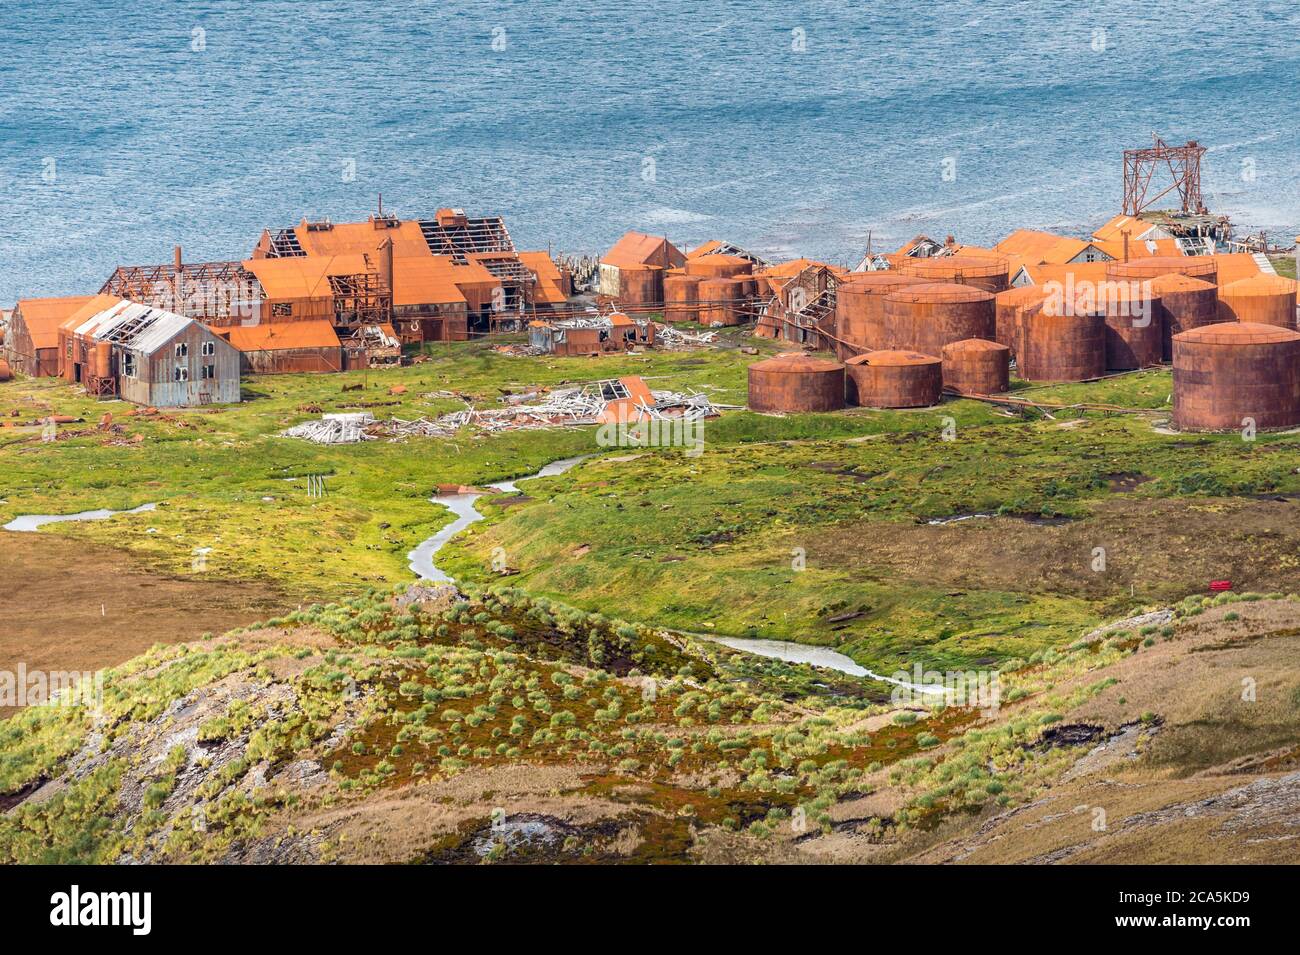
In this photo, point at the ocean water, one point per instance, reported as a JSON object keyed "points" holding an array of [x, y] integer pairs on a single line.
{"points": [[128, 127]]}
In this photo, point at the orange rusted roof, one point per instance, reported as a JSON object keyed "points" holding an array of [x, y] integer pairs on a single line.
{"points": [[43, 316], [297, 277], [892, 358], [431, 280], [1115, 229], [348, 238], [547, 290], [1082, 271], [95, 305], [278, 336], [1234, 266], [1259, 285], [640, 249]]}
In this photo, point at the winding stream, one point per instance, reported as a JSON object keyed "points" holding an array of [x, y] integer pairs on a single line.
{"points": [[462, 505]]}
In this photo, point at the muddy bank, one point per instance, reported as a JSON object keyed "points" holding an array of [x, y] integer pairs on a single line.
{"points": [[69, 605]]}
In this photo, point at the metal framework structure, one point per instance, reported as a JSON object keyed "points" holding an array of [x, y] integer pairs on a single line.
{"points": [[214, 293], [361, 299], [1184, 165], [487, 234]]}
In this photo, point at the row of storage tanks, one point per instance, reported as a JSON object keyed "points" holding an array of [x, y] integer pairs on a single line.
{"points": [[952, 322], [712, 290]]}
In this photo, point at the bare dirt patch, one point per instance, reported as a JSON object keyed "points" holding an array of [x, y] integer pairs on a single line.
{"points": [[68, 605]]}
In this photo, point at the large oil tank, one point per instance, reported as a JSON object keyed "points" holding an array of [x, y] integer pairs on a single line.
{"points": [[1185, 303], [1264, 299], [990, 273], [681, 298], [719, 266], [860, 308], [1227, 373], [1201, 267], [975, 366], [1132, 316], [1007, 307], [796, 382], [1061, 347], [924, 318], [640, 286], [894, 379], [718, 302]]}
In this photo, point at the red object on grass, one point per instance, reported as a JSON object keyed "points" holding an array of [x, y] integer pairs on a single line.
{"points": [[1220, 584]]}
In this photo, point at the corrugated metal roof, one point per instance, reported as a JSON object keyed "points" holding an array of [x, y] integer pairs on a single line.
{"points": [[276, 336], [134, 326]]}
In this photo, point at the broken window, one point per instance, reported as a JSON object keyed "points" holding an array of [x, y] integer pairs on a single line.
{"points": [[128, 364], [181, 373], [209, 348], [282, 309], [182, 349], [209, 372]]}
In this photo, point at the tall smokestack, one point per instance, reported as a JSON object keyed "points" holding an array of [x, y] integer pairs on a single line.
{"points": [[1125, 246], [176, 258]]}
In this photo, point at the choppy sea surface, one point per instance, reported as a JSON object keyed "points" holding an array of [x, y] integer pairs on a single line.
{"points": [[129, 127]]}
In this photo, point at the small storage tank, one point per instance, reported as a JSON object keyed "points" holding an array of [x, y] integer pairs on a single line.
{"points": [[101, 360], [1185, 303], [1059, 347], [1227, 373], [1007, 307], [1201, 267], [926, 317], [1264, 299], [860, 308], [894, 379], [975, 366], [5, 373], [987, 272], [718, 302], [1132, 316], [681, 298], [796, 382], [719, 266]]}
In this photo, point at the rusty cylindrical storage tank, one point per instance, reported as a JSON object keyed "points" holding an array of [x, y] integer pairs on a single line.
{"points": [[1201, 267], [975, 366], [1058, 347], [860, 309], [640, 286], [894, 379], [1185, 303], [926, 317], [796, 382], [1007, 307], [1264, 299], [681, 298], [719, 266], [5, 373], [1132, 316], [1227, 373], [982, 271], [717, 302]]}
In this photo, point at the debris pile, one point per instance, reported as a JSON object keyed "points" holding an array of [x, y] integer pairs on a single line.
{"points": [[617, 399]]}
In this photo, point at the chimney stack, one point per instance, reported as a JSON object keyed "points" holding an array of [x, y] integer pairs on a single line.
{"points": [[177, 258]]}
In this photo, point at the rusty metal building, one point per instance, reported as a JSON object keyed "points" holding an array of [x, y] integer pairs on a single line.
{"points": [[151, 357], [632, 271], [31, 344], [284, 347], [1234, 375]]}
